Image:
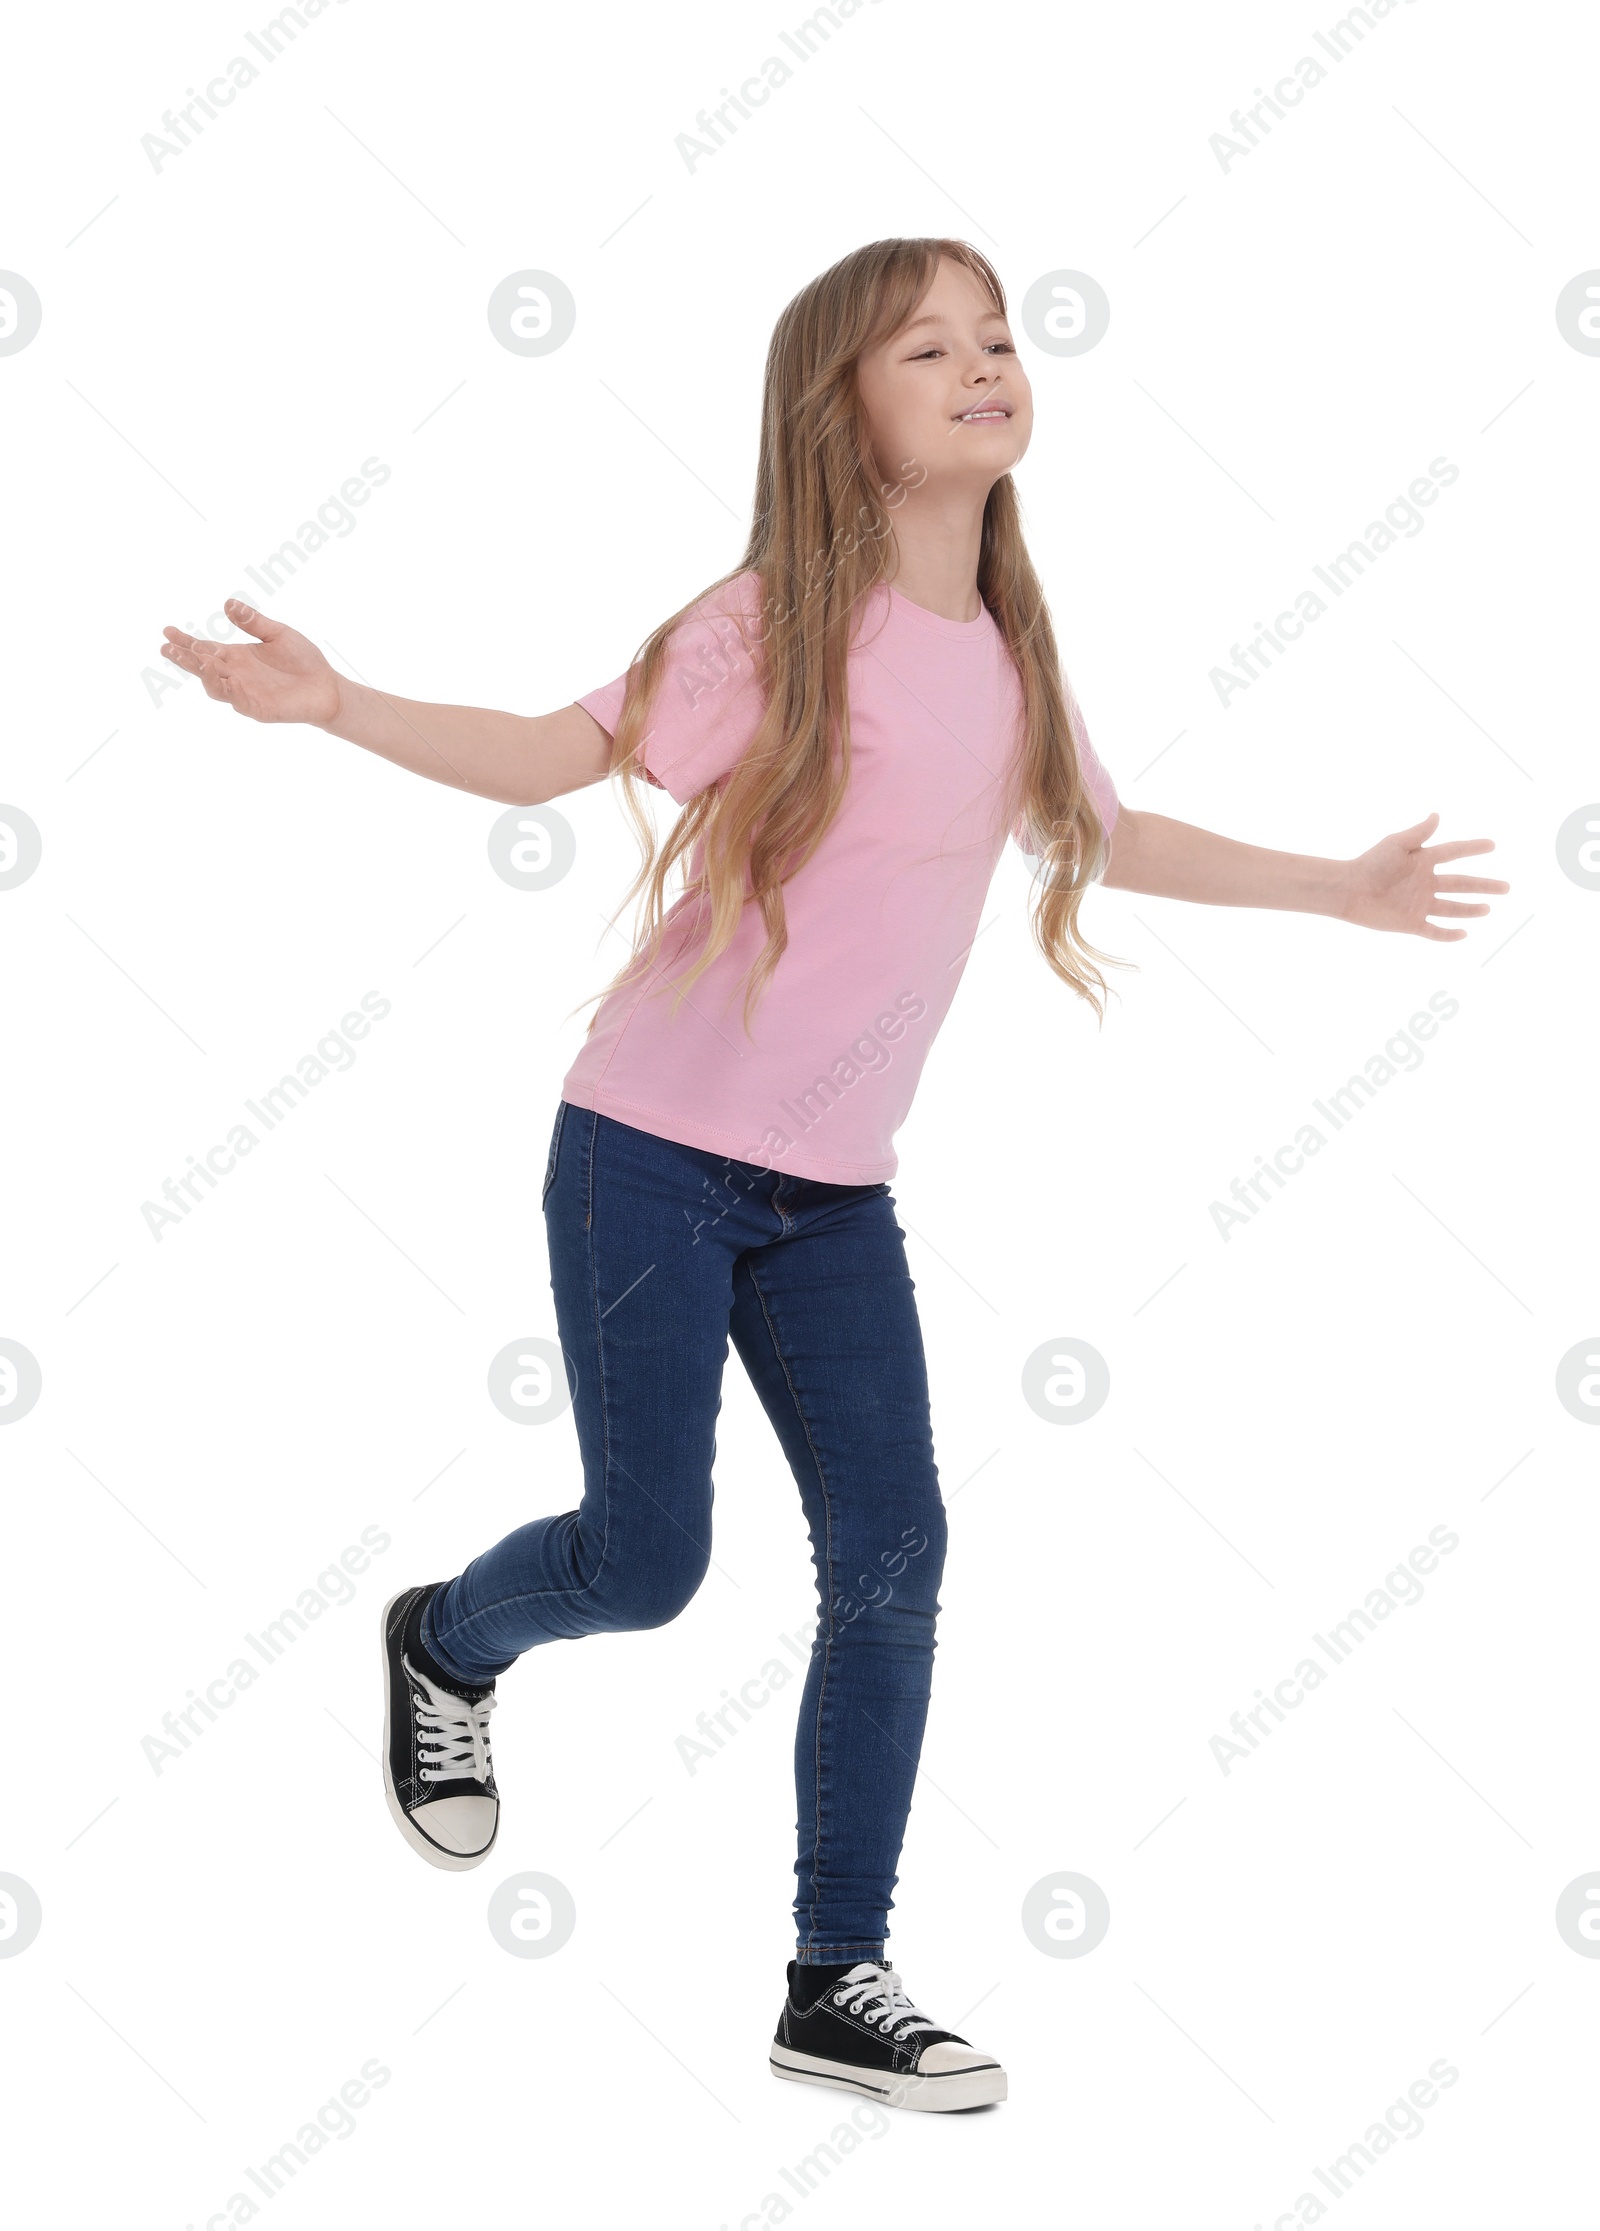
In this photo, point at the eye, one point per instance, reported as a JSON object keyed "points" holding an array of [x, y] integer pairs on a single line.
{"points": [[1007, 348]]}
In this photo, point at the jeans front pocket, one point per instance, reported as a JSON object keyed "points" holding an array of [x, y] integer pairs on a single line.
{"points": [[555, 1150]]}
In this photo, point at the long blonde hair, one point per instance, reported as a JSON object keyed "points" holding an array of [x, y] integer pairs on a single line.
{"points": [[818, 544]]}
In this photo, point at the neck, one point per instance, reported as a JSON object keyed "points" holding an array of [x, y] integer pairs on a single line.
{"points": [[934, 562]]}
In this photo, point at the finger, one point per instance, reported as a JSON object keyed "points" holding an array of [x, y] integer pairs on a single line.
{"points": [[1453, 906], [1468, 883], [191, 642], [1442, 936], [198, 661], [1459, 850], [206, 668], [224, 670], [1423, 830], [253, 622]]}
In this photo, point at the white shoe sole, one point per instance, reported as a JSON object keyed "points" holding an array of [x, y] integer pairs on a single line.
{"points": [[435, 1854], [962, 2087]]}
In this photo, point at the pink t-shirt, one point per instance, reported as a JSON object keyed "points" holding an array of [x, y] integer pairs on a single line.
{"points": [[880, 918]]}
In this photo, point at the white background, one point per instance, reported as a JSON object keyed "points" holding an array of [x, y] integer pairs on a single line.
{"points": [[1292, 341]]}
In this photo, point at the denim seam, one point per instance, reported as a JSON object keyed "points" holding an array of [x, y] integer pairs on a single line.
{"points": [[600, 1355], [827, 1647], [555, 1153]]}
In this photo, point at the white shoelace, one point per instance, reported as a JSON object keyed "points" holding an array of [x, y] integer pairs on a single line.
{"points": [[454, 1737], [876, 1993]]}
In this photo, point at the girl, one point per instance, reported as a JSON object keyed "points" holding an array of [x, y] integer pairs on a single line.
{"points": [[852, 721]]}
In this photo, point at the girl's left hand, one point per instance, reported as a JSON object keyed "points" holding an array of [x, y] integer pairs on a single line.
{"points": [[1395, 886]]}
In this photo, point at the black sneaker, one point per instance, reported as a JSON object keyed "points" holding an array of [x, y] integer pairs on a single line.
{"points": [[437, 1773], [855, 2028]]}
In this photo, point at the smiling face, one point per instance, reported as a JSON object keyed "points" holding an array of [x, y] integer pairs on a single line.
{"points": [[948, 392]]}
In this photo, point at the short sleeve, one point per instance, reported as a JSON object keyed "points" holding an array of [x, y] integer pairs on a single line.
{"points": [[709, 701], [1101, 786]]}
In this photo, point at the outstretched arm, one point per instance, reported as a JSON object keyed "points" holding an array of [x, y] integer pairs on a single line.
{"points": [[1394, 886], [521, 759]]}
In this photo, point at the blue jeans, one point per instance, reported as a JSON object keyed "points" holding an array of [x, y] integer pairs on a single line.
{"points": [[658, 1252]]}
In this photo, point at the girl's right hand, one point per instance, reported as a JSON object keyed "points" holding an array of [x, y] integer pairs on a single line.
{"points": [[282, 676]]}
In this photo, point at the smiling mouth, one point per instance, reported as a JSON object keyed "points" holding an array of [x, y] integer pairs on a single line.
{"points": [[983, 414]]}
